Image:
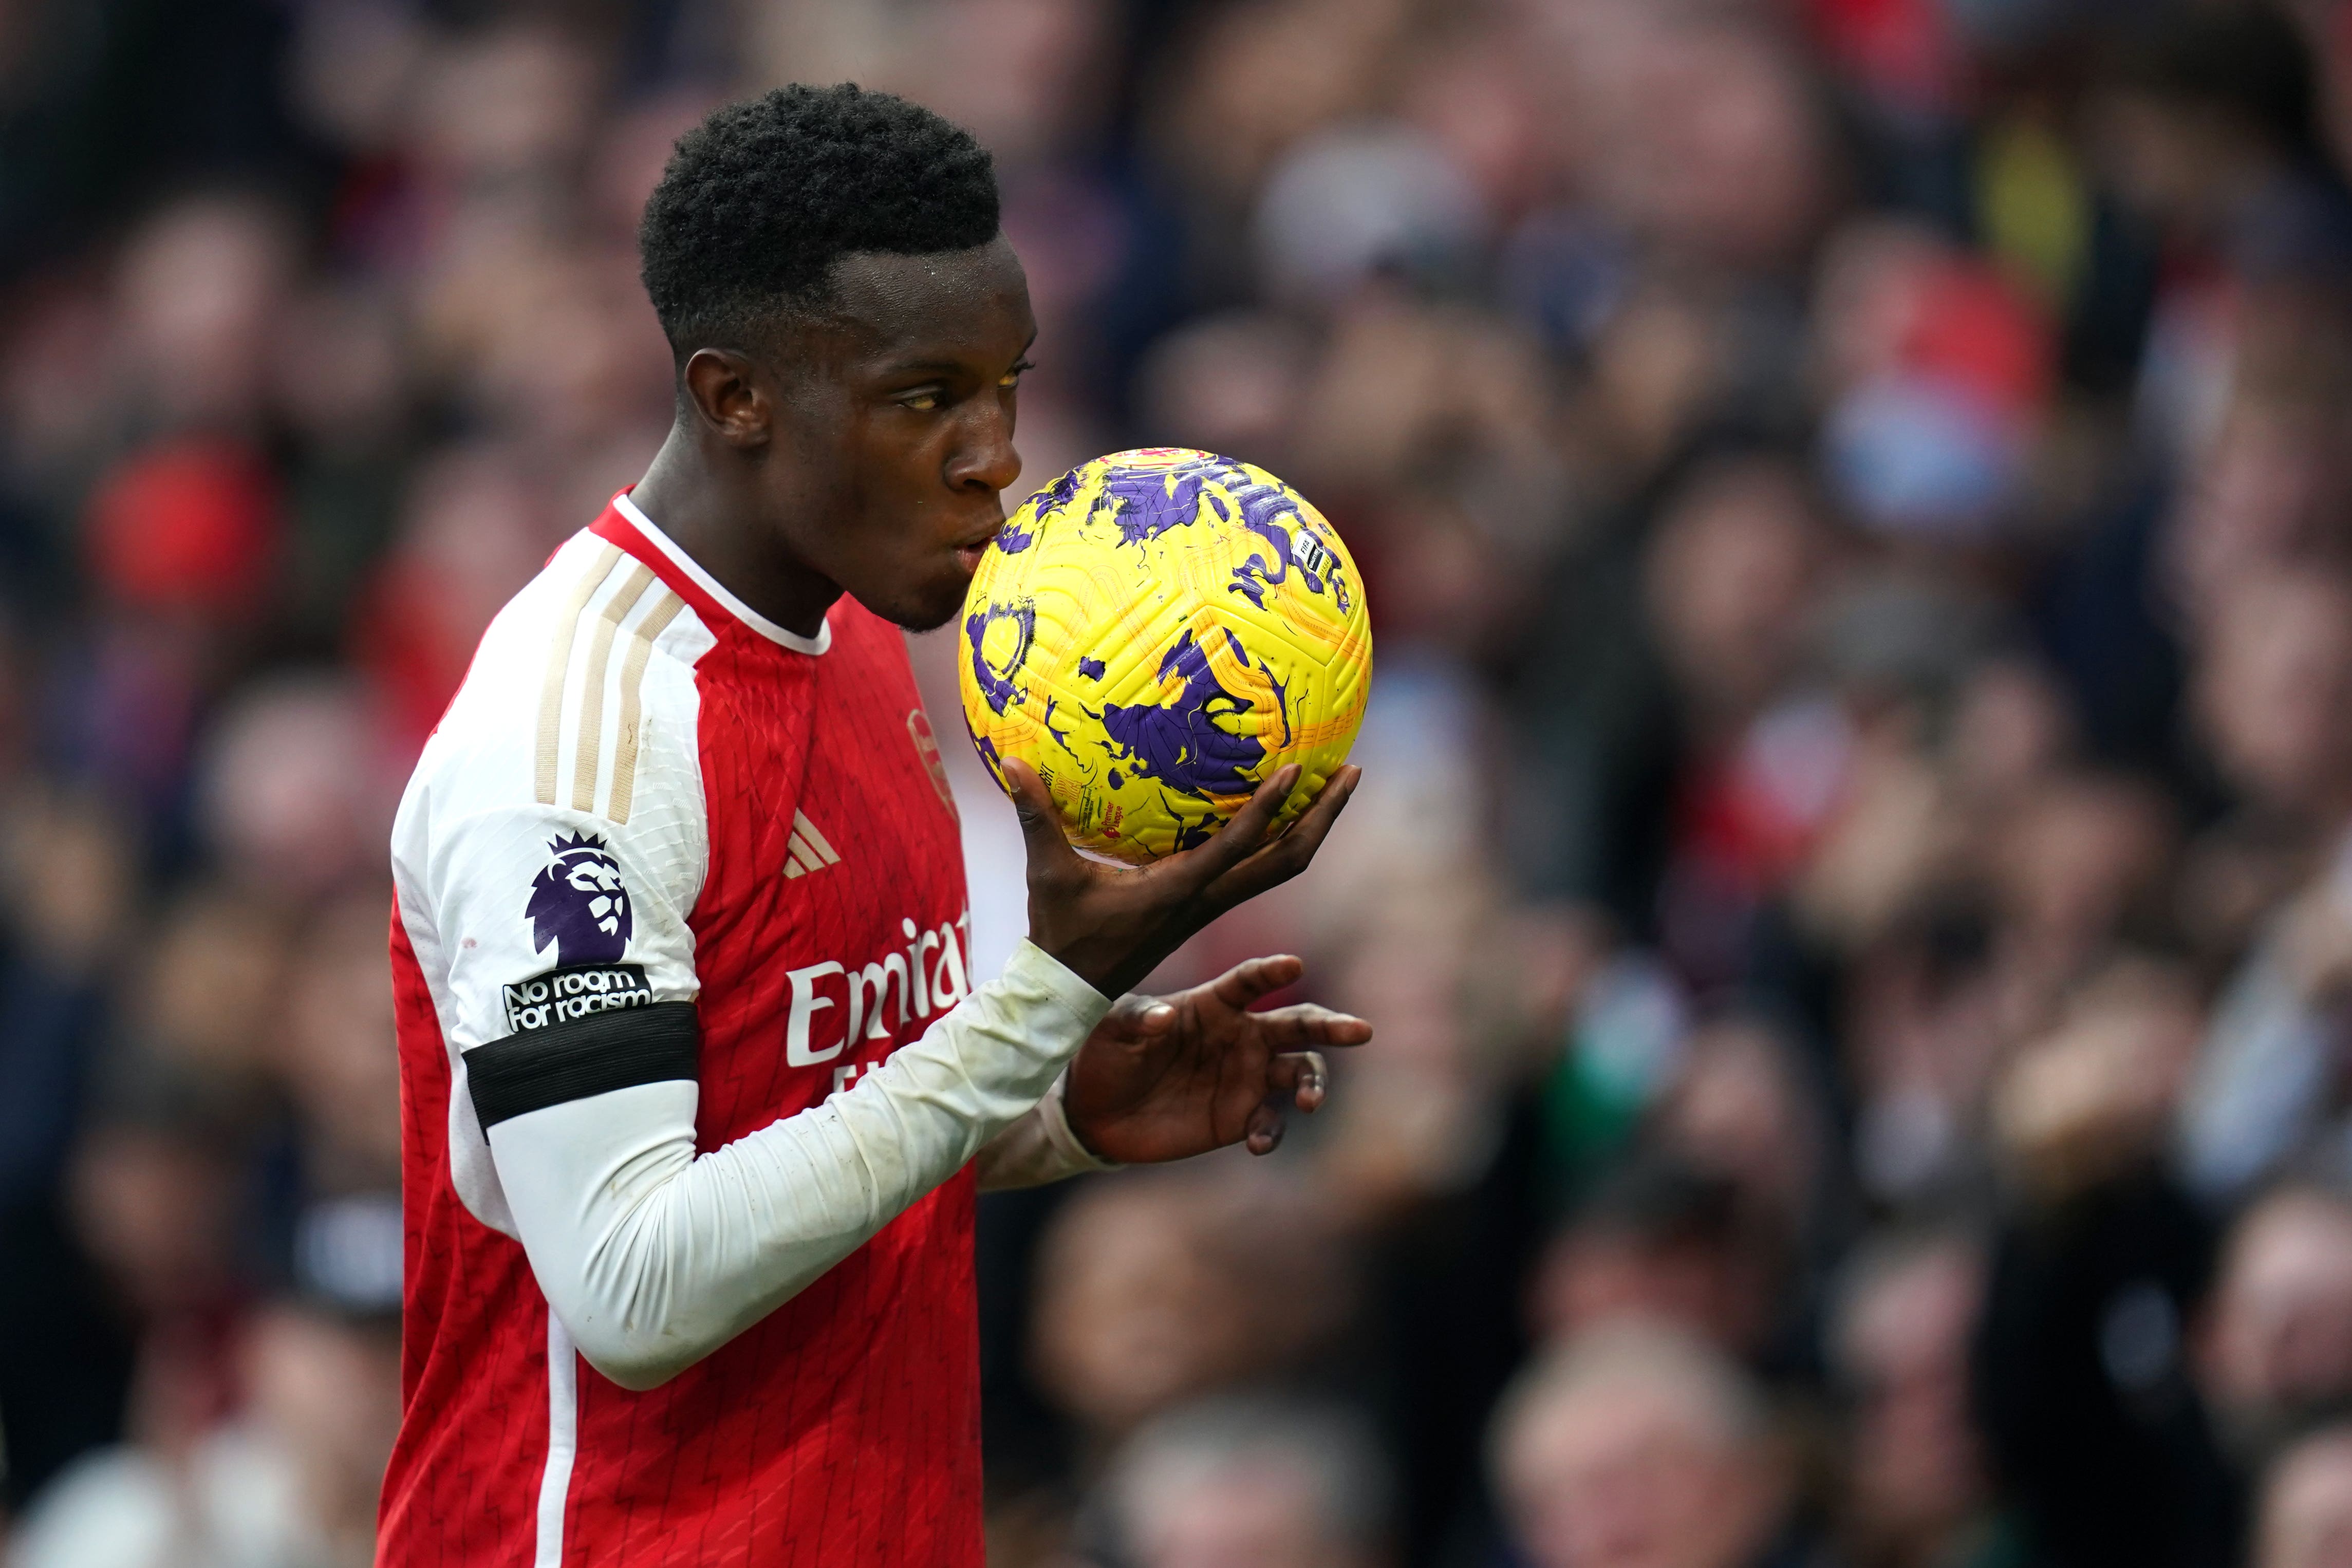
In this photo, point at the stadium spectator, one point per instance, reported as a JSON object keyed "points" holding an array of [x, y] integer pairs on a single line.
{"points": [[291, 1484], [2306, 1510], [1667, 1244], [1915, 1489], [2083, 1361], [2278, 1352], [2263, 1089], [1244, 1481], [1635, 1443], [1162, 1287]]}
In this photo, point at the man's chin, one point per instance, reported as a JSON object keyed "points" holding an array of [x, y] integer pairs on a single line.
{"points": [[926, 613], [929, 621], [920, 600]]}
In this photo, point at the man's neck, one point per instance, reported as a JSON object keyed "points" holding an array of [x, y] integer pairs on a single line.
{"points": [[712, 519]]}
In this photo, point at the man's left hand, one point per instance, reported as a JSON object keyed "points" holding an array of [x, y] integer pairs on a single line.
{"points": [[1165, 1077]]}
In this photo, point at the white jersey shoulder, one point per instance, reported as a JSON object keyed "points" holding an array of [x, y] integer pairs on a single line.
{"points": [[552, 840]]}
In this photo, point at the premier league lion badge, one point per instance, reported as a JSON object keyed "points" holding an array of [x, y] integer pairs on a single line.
{"points": [[580, 904]]}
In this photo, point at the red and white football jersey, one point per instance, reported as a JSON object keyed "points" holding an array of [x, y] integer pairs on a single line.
{"points": [[645, 793]]}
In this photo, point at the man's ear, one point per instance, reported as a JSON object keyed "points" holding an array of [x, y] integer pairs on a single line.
{"points": [[729, 392]]}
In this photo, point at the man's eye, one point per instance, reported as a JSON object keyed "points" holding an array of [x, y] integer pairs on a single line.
{"points": [[1013, 377], [920, 402]]}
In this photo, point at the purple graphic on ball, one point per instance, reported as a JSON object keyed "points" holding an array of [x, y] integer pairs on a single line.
{"points": [[1181, 744], [1000, 690], [580, 904], [1012, 541], [1046, 505], [1057, 496], [1302, 552], [1061, 735], [1148, 502]]}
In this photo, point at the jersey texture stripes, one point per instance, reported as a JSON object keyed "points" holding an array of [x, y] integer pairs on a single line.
{"points": [[646, 794]]}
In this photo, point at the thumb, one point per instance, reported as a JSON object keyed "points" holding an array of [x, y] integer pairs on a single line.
{"points": [[1136, 1016], [1042, 834]]}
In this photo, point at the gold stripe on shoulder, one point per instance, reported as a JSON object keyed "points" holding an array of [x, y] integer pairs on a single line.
{"points": [[591, 689], [558, 664], [633, 681]]}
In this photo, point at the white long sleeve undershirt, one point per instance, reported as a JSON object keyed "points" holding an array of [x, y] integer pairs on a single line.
{"points": [[653, 1257]]}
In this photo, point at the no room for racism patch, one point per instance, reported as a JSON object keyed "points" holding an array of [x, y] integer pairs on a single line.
{"points": [[560, 995]]}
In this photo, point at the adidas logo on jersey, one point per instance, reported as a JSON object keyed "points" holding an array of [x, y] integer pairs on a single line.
{"points": [[809, 851]]}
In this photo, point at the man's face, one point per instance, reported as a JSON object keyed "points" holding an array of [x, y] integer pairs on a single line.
{"points": [[894, 438]]}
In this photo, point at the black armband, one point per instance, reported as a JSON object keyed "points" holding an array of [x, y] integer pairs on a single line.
{"points": [[595, 1053]]}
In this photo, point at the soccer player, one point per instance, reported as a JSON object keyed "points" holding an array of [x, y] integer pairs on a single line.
{"points": [[698, 1084]]}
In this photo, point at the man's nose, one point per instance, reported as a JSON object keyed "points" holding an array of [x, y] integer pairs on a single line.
{"points": [[987, 459]]}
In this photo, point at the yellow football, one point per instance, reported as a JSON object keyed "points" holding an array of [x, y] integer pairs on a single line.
{"points": [[1156, 633]]}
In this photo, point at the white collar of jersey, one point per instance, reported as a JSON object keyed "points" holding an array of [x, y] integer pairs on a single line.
{"points": [[710, 586]]}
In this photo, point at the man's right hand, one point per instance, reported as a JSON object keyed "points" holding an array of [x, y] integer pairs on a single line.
{"points": [[1111, 925]]}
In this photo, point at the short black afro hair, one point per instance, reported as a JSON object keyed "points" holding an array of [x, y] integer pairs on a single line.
{"points": [[761, 199]]}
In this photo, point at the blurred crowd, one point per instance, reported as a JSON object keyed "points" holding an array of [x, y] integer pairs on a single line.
{"points": [[1854, 873]]}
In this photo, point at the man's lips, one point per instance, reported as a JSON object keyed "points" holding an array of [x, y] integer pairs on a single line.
{"points": [[969, 552]]}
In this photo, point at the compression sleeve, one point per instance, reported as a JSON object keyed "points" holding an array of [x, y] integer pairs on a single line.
{"points": [[654, 1258], [1037, 1149]]}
